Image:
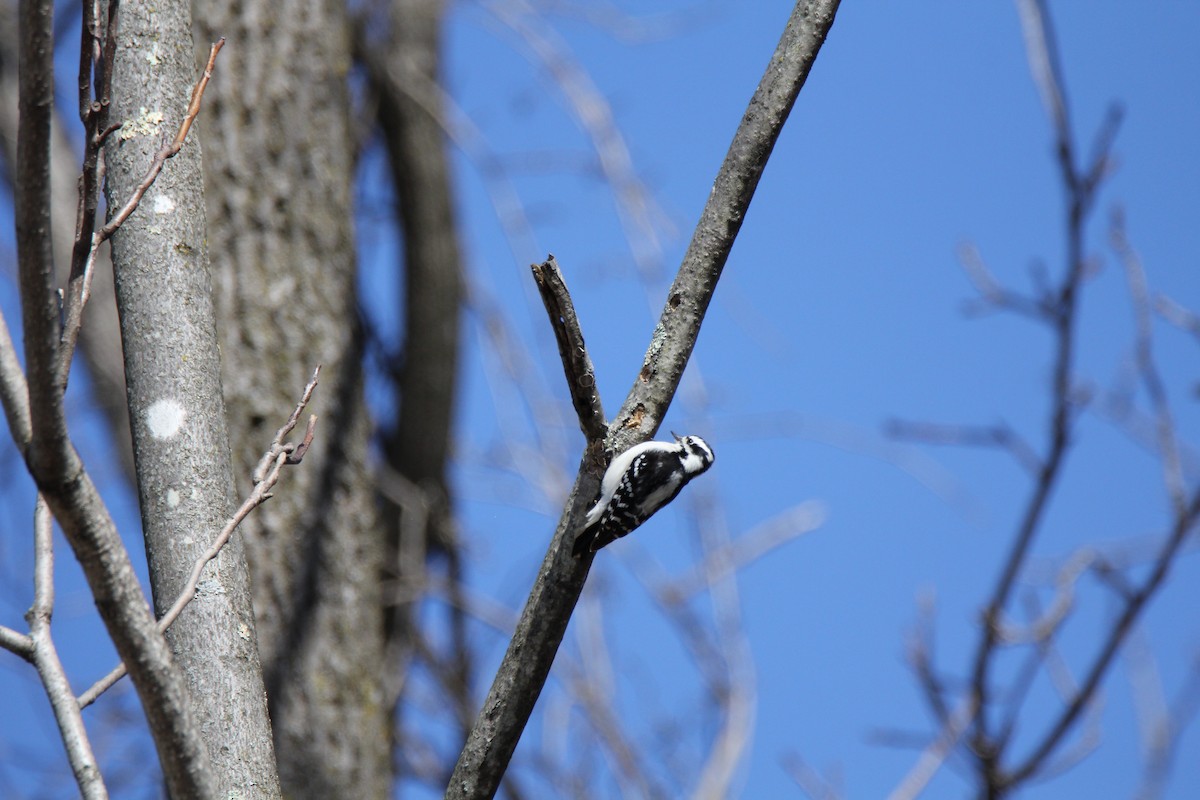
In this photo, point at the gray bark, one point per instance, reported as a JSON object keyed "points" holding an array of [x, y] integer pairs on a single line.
{"points": [[279, 155], [176, 411]]}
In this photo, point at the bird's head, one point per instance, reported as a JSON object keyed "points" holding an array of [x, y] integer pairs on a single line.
{"points": [[697, 455]]}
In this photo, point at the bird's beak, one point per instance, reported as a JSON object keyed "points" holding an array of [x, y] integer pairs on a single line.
{"points": [[676, 435]]}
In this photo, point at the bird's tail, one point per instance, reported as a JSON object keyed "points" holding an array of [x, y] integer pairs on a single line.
{"points": [[584, 541], [592, 538]]}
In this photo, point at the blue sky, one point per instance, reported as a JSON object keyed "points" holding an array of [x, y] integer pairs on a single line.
{"points": [[841, 308]]}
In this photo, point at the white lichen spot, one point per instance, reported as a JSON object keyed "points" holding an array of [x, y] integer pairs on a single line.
{"points": [[152, 55], [165, 418], [144, 124], [163, 204], [172, 498], [244, 631]]}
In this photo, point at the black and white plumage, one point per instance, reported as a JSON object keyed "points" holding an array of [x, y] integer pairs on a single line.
{"points": [[639, 482]]}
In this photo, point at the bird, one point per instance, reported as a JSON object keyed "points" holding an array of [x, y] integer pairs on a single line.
{"points": [[639, 482]]}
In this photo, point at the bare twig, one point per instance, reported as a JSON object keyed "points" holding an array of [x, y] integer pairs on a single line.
{"points": [[1168, 444], [999, 435], [50, 668], [581, 378], [809, 781], [1168, 729], [97, 49], [739, 704], [993, 293], [920, 653], [266, 475], [934, 755], [591, 683], [1177, 315], [160, 158], [730, 556], [635, 207], [1046, 624]]}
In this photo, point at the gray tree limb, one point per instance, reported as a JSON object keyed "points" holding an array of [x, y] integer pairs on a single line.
{"points": [[173, 378], [544, 619]]}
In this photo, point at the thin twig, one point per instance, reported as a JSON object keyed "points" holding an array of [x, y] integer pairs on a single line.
{"points": [[167, 151], [933, 756], [1139, 294], [732, 555], [95, 64], [1177, 315], [266, 475], [50, 668], [999, 435], [634, 203]]}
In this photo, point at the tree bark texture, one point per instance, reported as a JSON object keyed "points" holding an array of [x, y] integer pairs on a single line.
{"points": [[279, 157], [176, 411]]}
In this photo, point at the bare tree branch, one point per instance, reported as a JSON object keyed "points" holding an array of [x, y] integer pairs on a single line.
{"points": [[1183, 525], [50, 669], [101, 337], [1082, 184], [581, 378], [527, 662]]}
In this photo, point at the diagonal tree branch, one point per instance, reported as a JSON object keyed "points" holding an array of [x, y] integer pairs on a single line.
{"points": [[560, 579]]}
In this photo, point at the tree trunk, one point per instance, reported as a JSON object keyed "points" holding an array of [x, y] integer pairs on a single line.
{"points": [[279, 152], [173, 375], [405, 72]]}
